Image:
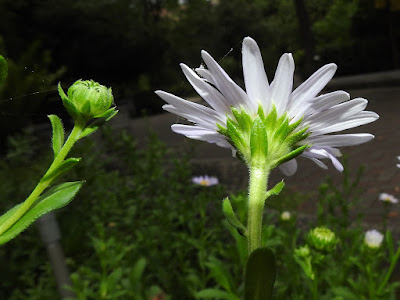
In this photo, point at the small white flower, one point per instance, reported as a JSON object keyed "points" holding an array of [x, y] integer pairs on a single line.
{"points": [[388, 198], [373, 239], [205, 180], [285, 216], [319, 115], [398, 165]]}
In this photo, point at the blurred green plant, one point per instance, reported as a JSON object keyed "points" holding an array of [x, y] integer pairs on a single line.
{"points": [[173, 237]]}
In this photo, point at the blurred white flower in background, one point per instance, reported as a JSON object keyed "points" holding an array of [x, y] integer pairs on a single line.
{"points": [[388, 198], [205, 180], [373, 239]]}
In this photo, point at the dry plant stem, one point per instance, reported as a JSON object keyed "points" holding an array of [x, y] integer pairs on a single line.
{"points": [[43, 184], [257, 192]]}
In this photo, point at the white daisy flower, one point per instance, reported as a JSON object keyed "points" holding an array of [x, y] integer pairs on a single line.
{"points": [[388, 198], [292, 123], [373, 239], [205, 180]]}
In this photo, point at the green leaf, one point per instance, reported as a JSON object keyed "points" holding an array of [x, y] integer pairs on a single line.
{"points": [[258, 140], [260, 275], [58, 133], [63, 168], [389, 244], [3, 69], [219, 273], [138, 269], [55, 198], [215, 294], [276, 189], [231, 217]]}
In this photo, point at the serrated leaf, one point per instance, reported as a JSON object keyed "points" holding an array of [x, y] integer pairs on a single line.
{"points": [[231, 217], [258, 139], [215, 294], [58, 133], [260, 275], [63, 168], [3, 69], [55, 198]]}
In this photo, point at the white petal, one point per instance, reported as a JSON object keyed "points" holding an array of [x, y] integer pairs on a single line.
{"points": [[311, 87], [282, 85], [318, 104], [255, 78], [338, 140], [231, 91], [206, 74], [324, 152], [341, 111], [206, 91], [327, 101], [197, 133], [315, 160], [289, 168], [192, 111], [361, 118]]}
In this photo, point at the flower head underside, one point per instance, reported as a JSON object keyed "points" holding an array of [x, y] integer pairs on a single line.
{"points": [[270, 119]]}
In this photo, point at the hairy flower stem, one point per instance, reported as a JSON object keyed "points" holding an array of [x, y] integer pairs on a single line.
{"points": [[44, 182], [257, 194]]}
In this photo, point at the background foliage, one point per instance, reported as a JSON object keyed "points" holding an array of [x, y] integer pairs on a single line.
{"points": [[135, 46]]}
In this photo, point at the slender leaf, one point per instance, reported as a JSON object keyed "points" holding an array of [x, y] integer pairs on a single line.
{"points": [[231, 217], [3, 69], [63, 168], [215, 294], [55, 198], [58, 133]]}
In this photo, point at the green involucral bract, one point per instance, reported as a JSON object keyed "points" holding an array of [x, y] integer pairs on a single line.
{"points": [[87, 99], [263, 139]]}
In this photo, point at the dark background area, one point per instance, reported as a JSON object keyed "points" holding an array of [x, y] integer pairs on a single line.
{"points": [[136, 46]]}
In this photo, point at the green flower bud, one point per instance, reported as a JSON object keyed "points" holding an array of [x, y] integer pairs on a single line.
{"points": [[323, 239], [303, 251], [87, 99]]}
